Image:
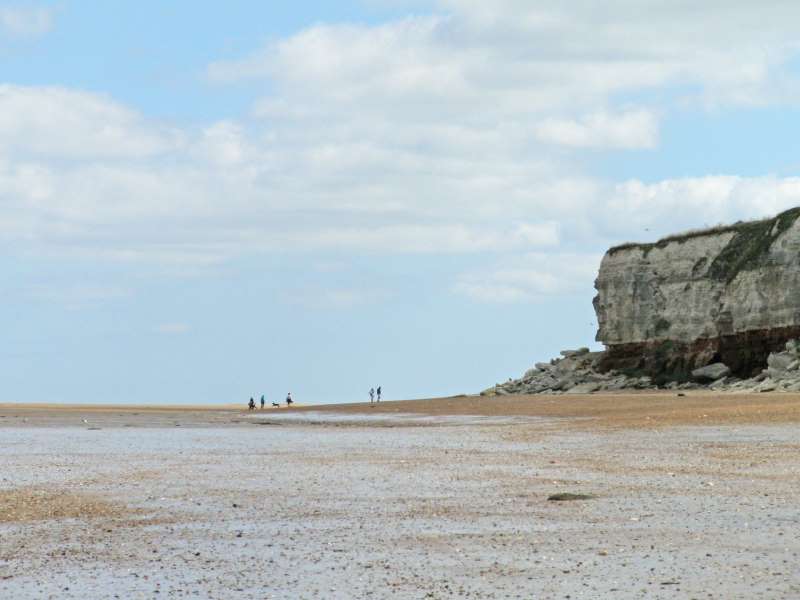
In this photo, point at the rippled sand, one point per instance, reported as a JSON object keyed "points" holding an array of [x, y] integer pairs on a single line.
{"points": [[433, 499]]}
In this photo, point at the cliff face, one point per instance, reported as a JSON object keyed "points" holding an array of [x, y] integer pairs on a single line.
{"points": [[729, 294]]}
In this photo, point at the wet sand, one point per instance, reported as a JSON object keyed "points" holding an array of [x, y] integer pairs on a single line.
{"points": [[693, 497], [636, 410]]}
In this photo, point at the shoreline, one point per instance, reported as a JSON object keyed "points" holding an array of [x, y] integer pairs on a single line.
{"points": [[629, 410]]}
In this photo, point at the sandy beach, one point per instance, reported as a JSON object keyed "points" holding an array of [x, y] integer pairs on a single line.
{"points": [[686, 497]]}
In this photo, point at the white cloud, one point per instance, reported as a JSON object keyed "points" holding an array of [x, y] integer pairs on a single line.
{"points": [[629, 130], [531, 277], [639, 210], [414, 239], [225, 143], [510, 57], [430, 135], [57, 122], [25, 21]]}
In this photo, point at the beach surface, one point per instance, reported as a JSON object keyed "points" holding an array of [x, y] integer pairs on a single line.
{"points": [[662, 496]]}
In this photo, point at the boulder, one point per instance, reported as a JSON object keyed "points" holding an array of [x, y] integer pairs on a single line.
{"points": [[567, 365], [780, 361], [584, 388], [711, 372], [720, 384], [531, 373], [766, 386]]}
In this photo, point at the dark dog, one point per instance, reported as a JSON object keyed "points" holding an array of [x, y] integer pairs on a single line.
{"points": [[275, 404]]}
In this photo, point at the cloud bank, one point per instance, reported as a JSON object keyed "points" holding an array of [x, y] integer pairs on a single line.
{"points": [[459, 131]]}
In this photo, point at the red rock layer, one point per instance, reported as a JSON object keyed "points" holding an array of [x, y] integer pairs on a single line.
{"points": [[745, 353]]}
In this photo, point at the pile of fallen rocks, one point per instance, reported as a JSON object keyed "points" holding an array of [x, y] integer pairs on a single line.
{"points": [[781, 375], [576, 372]]}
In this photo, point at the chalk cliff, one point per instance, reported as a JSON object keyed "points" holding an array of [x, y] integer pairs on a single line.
{"points": [[728, 294]]}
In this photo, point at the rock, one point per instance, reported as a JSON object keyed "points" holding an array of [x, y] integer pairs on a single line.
{"points": [[616, 385], [565, 384], [793, 347], [584, 388], [766, 386], [567, 497], [719, 384], [579, 375], [779, 361], [574, 353], [711, 372], [531, 373], [567, 365]]}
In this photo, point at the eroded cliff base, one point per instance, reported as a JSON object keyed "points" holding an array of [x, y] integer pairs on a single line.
{"points": [[745, 353]]}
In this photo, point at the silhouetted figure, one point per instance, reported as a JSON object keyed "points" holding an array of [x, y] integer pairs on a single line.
{"points": [[252, 404], [262, 401], [371, 395], [379, 393], [289, 400]]}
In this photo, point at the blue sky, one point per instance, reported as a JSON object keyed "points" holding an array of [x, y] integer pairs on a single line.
{"points": [[153, 55], [200, 203]]}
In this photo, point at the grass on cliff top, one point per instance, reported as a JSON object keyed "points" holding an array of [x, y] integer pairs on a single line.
{"points": [[749, 248], [754, 231]]}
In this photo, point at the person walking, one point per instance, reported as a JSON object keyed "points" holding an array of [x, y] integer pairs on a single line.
{"points": [[252, 404], [371, 395], [262, 401], [379, 393], [289, 400]]}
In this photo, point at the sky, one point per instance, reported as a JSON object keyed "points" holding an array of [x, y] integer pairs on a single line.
{"points": [[202, 202]]}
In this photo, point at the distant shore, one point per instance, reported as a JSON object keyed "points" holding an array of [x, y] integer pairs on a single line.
{"points": [[628, 410]]}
